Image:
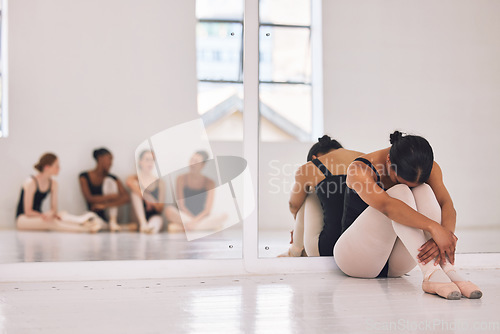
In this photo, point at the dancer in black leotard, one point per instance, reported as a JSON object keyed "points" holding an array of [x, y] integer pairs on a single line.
{"points": [[397, 211], [148, 194], [195, 197], [318, 214], [353, 204], [330, 192], [29, 215], [104, 192]]}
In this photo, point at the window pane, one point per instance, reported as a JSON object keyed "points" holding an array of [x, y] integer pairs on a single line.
{"points": [[285, 54], [295, 12], [285, 112], [219, 9], [218, 51], [220, 106]]}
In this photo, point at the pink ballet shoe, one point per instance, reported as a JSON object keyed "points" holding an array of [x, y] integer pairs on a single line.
{"points": [[448, 290], [469, 289]]}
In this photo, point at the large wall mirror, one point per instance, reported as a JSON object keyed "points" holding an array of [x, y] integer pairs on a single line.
{"points": [[118, 74], [357, 72], [160, 86]]}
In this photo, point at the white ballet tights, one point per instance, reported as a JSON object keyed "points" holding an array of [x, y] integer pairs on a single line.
{"points": [[154, 224], [308, 226], [363, 249], [109, 186]]}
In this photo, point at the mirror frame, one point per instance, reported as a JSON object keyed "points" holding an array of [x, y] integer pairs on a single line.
{"points": [[250, 263]]}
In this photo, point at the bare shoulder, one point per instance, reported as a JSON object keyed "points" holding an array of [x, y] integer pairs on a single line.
{"points": [[339, 160], [306, 171], [358, 171], [436, 173], [28, 183], [436, 167]]}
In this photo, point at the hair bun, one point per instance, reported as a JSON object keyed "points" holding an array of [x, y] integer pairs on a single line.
{"points": [[395, 137], [324, 141]]}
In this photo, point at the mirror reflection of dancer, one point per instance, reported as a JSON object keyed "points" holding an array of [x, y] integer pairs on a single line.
{"points": [[397, 212], [35, 190], [148, 207], [194, 213], [103, 191], [317, 198]]}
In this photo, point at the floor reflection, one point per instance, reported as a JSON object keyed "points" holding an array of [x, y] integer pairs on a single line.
{"points": [[479, 240], [27, 246]]}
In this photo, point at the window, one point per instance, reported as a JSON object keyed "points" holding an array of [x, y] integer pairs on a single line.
{"points": [[219, 53], [285, 71], [287, 45]]}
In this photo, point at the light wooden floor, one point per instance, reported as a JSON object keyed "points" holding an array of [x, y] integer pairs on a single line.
{"points": [[299, 303]]}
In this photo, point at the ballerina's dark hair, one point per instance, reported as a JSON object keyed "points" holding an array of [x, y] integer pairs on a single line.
{"points": [[411, 157], [324, 145], [100, 152]]}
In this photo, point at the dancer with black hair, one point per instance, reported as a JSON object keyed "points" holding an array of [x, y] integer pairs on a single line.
{"points": [[35, 189], [397, 212], [104, 192], [317, 198]]}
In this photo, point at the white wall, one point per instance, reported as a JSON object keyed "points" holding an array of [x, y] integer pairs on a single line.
{"points": [[92, 73], [425, 67]]}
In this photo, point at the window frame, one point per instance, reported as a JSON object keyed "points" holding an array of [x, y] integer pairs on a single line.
{"points": [[316, 80]]}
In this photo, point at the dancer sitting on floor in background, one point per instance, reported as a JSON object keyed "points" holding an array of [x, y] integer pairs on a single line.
{"points": [[195, 197], [317, 198], [104, 192], [148, 207], [398, 211], [35, 190]]}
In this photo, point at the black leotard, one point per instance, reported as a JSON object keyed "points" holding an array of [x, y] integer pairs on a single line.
{"points": [[197, 204], [96, 189], [330, 192], [37, 199], [354, 206], [155, 194]]}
